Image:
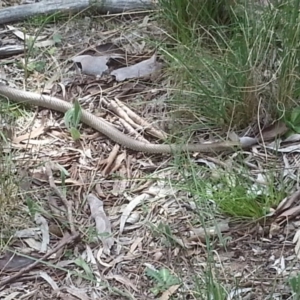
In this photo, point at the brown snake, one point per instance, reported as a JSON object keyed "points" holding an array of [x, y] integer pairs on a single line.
{"points": [[111, 132]]}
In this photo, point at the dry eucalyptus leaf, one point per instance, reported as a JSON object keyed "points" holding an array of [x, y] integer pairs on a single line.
{"points": [[22, 36], [166, 295], [141, 69], [290, 213], [92, 65], [49, 280], [201, 233], [26, 233], [33, 244], [130, 207], [292, 138], [42, 222], [103, 224], [293, 148], [296, 240], [286, 204]]}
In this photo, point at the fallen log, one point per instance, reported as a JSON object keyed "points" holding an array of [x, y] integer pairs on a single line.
{"points": [[48, 7]]}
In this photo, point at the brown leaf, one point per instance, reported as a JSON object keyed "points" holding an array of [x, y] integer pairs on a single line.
{"points": [[290, 213], [200, 233], [42, 222], [141, 69], [103, 225], [169, 292], [30, 135], [123, 280], [296, 240], [287, 203], [110, 160]]}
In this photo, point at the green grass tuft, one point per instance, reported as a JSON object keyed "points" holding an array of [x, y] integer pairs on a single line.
{"points": [[234, 72]]}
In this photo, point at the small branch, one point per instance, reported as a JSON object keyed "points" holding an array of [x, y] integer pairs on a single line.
{"points": [[63, 198], [61, 244], [48, 7]]}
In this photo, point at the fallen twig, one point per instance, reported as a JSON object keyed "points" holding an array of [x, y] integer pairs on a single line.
{"points": [[63, 198], [22, 12]]}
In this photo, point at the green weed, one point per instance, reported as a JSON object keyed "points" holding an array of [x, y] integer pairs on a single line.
{"points": [[72, 120], [163, 279]]}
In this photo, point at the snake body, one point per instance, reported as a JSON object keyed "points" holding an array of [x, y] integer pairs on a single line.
{"points": [[105, 128]]}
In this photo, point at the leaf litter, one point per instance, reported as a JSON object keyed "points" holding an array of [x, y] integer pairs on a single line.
{"points": [[148, 221]]}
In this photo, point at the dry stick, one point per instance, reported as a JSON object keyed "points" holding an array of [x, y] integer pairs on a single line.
{"points": [[141, 122], [61, 244], [22, 12], [67, 203]]}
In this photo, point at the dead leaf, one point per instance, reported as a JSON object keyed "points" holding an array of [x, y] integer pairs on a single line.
{"points": [[141, 69], [40, 220], [279, 265], [22, 36], [200, 233], [287, 202], [109, 161], [93, 65], [290, 213], [30, 135], [103, 225], [49, 280], [130, 207], [276, 147], [274, 229], [296, 240], [118, 161], [25, 233], [33, 243], [78, 293], [292, 138], [123, 280], [141, 122], [44, 44], [169, 292]]}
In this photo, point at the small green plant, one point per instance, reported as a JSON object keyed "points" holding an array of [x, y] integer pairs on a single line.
{"points": [[292, 120], [88, 272], [164, 230], [295, 286], [72, 120], [32, 206], [37, 65], [215, 291], [163, 279]]}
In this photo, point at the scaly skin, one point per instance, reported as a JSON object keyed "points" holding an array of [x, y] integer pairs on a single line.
{"points": [[105, 128]]}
